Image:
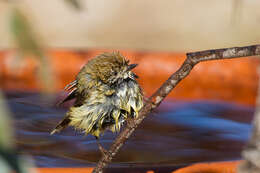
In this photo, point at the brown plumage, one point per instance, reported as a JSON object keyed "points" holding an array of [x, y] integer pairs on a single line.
{"points": [[106, 93]]}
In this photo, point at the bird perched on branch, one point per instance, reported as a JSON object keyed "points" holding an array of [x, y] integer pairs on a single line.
{"points": [[106, 93]]}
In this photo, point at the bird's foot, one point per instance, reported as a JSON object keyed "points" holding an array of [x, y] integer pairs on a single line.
{"points": [[101, 148]]}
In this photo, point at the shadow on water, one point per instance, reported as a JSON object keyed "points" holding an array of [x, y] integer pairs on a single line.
{"points": [[178, 133]]}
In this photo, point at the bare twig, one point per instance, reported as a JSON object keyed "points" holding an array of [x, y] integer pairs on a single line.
{"points": [[155, 100]]}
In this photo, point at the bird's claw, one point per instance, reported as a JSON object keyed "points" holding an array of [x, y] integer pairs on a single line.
{"points": [[101, 148]]}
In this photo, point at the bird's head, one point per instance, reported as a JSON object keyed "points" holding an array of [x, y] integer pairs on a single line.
{"points": [[110, 68]]}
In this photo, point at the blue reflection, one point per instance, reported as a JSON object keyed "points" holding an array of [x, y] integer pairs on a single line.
{"points": [[177, 133]]}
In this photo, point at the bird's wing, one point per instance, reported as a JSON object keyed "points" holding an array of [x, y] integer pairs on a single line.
{"points": [[61, 125], [72, 88]]}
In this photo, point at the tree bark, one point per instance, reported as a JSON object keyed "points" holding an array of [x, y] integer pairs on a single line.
{"points": [[155, 100]]}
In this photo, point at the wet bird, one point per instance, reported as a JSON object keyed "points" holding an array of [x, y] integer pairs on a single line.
{"points": [[106, 93]]}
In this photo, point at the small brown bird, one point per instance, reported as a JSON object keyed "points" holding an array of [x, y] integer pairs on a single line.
{"points": [[106, 93]]}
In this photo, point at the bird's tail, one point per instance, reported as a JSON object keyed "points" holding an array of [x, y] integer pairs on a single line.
{"points": [[61, 125]]}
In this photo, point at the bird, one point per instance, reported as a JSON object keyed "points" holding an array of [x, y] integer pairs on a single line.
{"points": [[106, 93]]}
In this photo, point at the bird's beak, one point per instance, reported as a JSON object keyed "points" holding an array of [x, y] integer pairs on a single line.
{"points": [[131, 66]]}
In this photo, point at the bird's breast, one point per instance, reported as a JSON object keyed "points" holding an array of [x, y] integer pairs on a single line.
{"points": [[128, 96]]}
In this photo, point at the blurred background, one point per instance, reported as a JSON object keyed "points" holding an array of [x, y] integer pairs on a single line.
{"points": [[178, 25], [207, 117]]}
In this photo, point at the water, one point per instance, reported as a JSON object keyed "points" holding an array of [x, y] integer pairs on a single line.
{"points": [[177, 133]]}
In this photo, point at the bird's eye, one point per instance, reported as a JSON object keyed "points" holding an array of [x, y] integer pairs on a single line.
{"points": [[115, 73]]}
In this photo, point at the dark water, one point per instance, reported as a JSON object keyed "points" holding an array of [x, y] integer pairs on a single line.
{"points": [[178, 133]]}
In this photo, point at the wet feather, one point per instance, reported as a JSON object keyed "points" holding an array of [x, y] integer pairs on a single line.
{"points": [[106, 93]]}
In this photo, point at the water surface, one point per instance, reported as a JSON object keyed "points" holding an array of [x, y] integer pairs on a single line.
{"points": [[177, 133]]}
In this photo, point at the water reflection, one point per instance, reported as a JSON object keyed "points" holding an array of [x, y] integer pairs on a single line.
{"points": [[178, 133]]}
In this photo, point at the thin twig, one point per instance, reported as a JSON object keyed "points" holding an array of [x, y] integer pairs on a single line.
{"points": [[155, 100]]}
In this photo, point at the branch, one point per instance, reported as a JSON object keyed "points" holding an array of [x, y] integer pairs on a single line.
{"points": [[155, 100]]}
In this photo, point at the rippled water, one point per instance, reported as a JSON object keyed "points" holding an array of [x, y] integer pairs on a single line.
{"points": [[178, 133]]}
